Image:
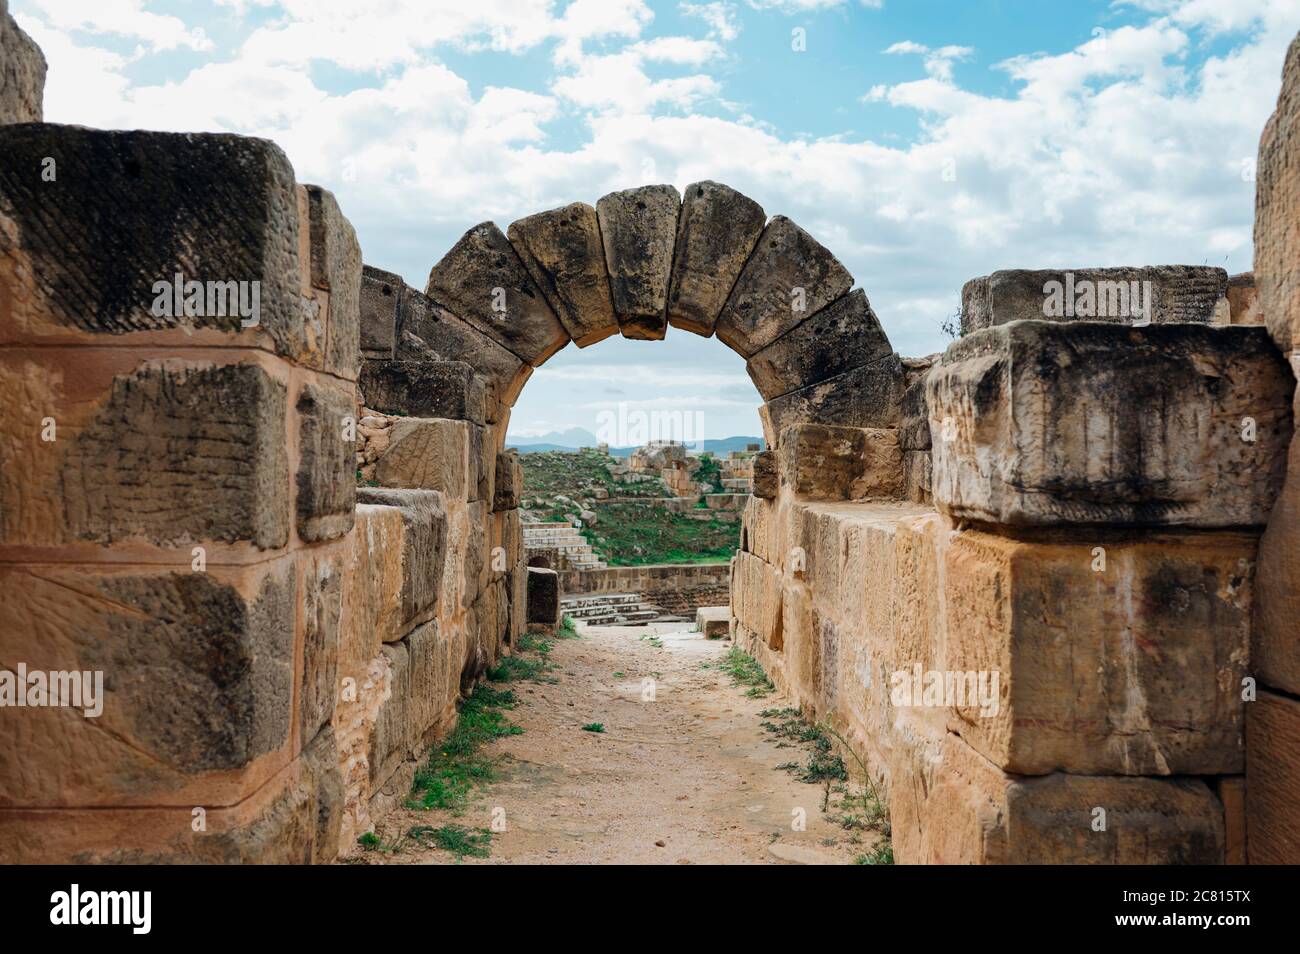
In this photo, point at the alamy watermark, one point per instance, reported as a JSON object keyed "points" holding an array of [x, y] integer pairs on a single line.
{"points": [[53, 689], [179, 298], [1086, 298], [623, 427], [936, 688]]}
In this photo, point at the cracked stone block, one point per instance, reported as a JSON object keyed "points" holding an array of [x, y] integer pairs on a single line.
{"points": [[717, 230], [448, 389], [1041, 423], [197, 676], [820, 462], [380, 300], [1277, 210], [424, 546], [428, 454], [509, 480], [174, 456], [1157, 294], [428, 332], [543, 597], [1273, 780], [789, 277], [92, 257], [564, 255], [336, 269], [483, 281], [765, 475], [868, 396], [327, 479], [842, 336], [22, 73], [638, 228]]}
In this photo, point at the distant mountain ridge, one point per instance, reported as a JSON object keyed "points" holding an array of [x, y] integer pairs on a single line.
{"points": [[576, 437]]}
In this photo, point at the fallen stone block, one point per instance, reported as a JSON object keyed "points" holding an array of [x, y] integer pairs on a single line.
{"points": [[789, 277], [335, 268], [1273, 780], [867, 396], [424, 546], [482, 281], [22, 73], [543, 597], [713, 622], [716, 232], [380, 299], [1277, 209], [563, 253], [447, 389], [1156, 295], [327, 479], [638, 228], [765, 475], [821, 462], [840, 337], [1040, 423]]}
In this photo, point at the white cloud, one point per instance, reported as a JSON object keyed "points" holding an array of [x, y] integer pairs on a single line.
{"points": [[126, 18], [721, 18]]}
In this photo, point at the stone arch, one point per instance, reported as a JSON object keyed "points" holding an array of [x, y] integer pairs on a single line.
{"points": [[499, 304]]}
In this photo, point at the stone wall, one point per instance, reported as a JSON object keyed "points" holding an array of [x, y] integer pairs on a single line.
{"points": [[680, 589]]}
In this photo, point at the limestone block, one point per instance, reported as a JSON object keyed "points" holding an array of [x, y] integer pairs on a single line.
{"points": [[372, 588], [759, 529], [867, 396], [482, 281], [320, 584], [789, 277], [765, 474], [482, 451], [447, 389], [563, 253], [380, 300], [1276, 650], [819, 462], [335, 268], [1158, 294], [638, 228], [1115, 656], [156, 451], [429, 693], [327, 478], [392, 729], [1243, 300], [757, 598], [22, 73], [1273, 780], [427, 331], [428, 454], [838, 338], [509, 480], [713, 622], [477, 556], [197, 678], [1231, 793], [914, 417], [1277, 211], [82, 255], [716, 231], [1040, 423], [424, 546], [543, 597], [948, 805]]}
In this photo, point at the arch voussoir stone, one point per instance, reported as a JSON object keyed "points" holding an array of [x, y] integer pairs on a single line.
{"points": [[789, 277], [639, 228], [716, 232], [481, 274], [564, 255], [870, 395]]}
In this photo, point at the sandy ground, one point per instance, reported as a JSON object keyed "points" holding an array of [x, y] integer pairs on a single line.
{"points": [[688, 778]]}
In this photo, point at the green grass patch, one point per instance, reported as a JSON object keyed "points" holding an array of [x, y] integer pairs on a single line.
{"points": [[456, 767], [882, 854], [457, 839], [744, 670], [568, 629], [594, 727]]}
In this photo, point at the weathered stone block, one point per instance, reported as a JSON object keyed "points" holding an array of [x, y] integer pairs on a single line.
{"points": [[867, 396], [717, 229], [196, 671], [1273, 780], [789, 277], [1277, 210], [509, 480], [757, 597], [821, 462], [482, 464], [563, 253], [638, 228], [22, 73], [380, 300], [840, 337], [327, 478], [392, 729], [918, 476], [448, 389], [335, 268], [424, 545], [321, 588], [428, 454], [88, 257], [1243, 300], [1156, 294], [1043, 422], [543, 597], [713, 622], [1231, 793], [765, 475], [428, 332], [914, 417], [1276, 651], [481, 276]]}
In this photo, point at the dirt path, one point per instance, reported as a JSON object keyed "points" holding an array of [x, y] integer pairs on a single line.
{"points": [[690, 777]]}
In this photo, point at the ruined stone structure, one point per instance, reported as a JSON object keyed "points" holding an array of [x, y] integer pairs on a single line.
{"points": [[1101, 510]]}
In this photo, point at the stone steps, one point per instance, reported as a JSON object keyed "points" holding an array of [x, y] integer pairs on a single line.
{"points": [[611, 609]]}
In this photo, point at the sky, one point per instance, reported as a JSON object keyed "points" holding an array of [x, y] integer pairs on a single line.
{"points": [[924, 142]]}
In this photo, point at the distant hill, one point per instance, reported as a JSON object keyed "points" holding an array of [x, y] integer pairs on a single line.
{"points": [[577, 437]]}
